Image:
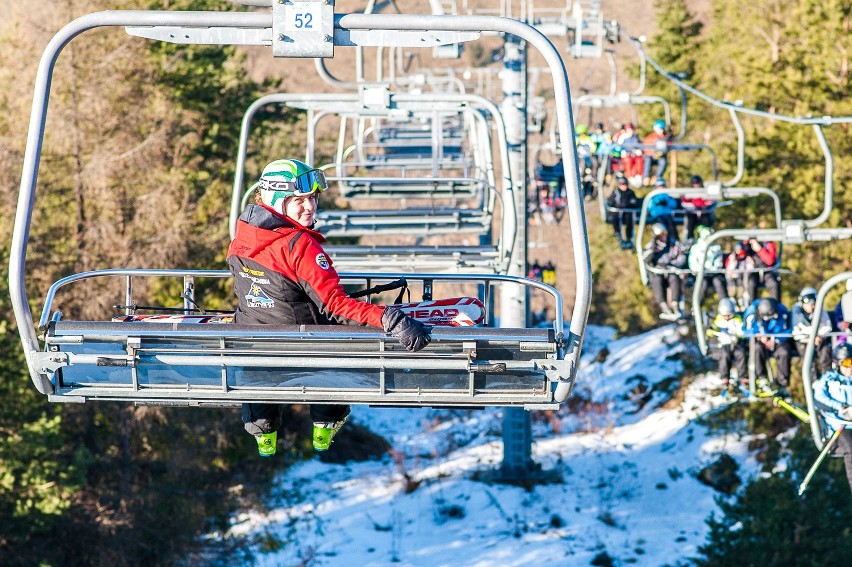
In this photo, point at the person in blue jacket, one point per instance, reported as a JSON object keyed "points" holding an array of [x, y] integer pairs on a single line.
{"points": [[661, 209], [765, 319], [833, 399]]}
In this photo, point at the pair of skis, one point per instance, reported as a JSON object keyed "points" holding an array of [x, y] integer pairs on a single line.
{"points": [[777, 401], [800, 413], [451, 312]]}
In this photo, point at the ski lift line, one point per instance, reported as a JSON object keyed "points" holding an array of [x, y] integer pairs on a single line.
{"points": [[738, 126], [712, 192], [569, 357], [613, 71], [791, 232], [808, 356], [822, 120]]}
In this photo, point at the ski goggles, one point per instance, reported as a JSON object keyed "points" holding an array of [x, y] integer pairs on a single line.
{"points": [[845, 363], [809, 299], [310, 182]]}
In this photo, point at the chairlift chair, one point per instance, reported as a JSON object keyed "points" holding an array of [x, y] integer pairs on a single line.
{"points": [[791, 232], [226, 364], [819, 428]]}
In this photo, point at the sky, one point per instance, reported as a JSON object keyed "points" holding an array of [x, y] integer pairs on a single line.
{"points": [[628, 465]]}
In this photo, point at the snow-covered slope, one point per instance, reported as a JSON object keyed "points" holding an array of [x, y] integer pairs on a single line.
{"points": [[628, 465]]}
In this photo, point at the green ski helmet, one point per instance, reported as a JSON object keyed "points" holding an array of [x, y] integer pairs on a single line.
{"points": [[284, 178]]}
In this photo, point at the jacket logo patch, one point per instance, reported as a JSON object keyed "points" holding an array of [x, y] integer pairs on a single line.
{"points": [[252, 272], [257, 298], [322, 261]]}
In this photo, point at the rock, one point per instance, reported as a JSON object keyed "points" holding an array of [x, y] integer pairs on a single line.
{"points": [[721, 475]]}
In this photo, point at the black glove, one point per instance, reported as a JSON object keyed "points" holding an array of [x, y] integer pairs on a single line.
{"points": [[411, 334]]}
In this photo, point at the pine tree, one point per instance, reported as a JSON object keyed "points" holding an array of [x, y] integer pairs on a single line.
{"points": [[139, 154], [768, 524]]}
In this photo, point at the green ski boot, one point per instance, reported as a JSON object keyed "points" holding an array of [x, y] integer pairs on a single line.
{"points": [[324, 433], [266, 443]]}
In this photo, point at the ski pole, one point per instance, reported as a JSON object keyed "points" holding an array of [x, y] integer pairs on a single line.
{"points": [[820, 458]]}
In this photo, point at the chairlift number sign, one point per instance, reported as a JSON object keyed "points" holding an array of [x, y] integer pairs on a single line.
{"points": [[303, 28], [303, 16]]}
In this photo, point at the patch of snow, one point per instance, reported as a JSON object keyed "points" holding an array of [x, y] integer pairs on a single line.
{"points": [[629, 478]]}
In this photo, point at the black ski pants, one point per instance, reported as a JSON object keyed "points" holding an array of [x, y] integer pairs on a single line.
{"points": [[622, 220], [719, 283], [699, 217], [782, 353], [662, 282], [769, 280], [822, 356], [844, 449], [735, 353]]}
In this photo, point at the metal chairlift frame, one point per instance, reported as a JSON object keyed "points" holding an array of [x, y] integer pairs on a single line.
{"points": [[194, 364], [556, 372], [712, 191], [318, 106], [585, 26], [449, 258], [605, 166], [817, 431], [550, 21], [477, 160], [791, 232], [613, 100]]}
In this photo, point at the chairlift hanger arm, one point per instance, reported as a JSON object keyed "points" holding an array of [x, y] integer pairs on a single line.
{"points": [[711, 191]]}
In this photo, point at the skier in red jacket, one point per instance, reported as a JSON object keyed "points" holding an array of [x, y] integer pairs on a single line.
{"points": [[283, 276]]}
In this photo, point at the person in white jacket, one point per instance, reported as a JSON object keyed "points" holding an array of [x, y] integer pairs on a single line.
{"points": [[728, 344], [714, 265], [801, 319]]}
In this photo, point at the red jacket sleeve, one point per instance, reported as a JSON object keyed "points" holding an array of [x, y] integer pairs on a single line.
{"points": [[768, 253], [317, 275]]}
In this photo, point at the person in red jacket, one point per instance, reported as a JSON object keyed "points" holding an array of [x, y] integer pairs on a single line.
{"points": [[765, 255], [656, 151], [698, 211], [751, 263], [283, 276]]}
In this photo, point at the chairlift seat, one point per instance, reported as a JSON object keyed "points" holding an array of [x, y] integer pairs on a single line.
{"points": [[192, 364], [443, 259], [426, 221], [385, 187]]}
